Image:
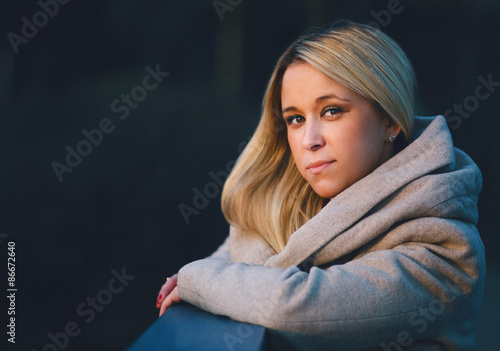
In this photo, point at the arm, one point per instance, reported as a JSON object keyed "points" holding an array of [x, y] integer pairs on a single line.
{"points": [[364, 302]]}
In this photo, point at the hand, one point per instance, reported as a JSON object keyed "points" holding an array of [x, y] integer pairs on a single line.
{"points": [[172, 298], [167, 294]]}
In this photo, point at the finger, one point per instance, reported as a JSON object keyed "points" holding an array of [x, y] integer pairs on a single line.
{"points": [[172, 298], [166, 289], [165, 304]]}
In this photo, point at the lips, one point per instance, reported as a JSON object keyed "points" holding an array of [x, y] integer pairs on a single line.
{"points": [[318, 166], [317, 163]]}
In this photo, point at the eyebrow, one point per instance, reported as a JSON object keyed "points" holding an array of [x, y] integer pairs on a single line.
{"points": [[321, 98]]}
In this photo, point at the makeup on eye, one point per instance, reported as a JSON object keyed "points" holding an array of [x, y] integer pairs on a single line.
{"points": [[334, 110], [290, 119]]}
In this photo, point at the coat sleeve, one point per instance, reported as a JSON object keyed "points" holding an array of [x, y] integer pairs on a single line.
{"points": [[397, 295]]}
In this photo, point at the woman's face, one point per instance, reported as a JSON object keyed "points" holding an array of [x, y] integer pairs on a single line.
{"points": [[336, 136]]}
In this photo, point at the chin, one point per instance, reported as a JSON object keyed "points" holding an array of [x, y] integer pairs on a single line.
{"points": [[327, 190]]}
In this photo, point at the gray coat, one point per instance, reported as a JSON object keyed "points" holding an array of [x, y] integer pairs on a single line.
{"points": [[394, 262]]}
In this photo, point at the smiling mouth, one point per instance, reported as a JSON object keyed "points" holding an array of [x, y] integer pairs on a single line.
{"points": [[318, 169]]}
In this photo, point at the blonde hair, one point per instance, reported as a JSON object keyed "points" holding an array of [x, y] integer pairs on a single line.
{"points": [[265, 194]]}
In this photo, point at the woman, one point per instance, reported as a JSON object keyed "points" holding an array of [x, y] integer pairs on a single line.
{"points": [[352, 222]]}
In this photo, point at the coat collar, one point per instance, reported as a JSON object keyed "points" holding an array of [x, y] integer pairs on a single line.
{"points": [[431, 149]]}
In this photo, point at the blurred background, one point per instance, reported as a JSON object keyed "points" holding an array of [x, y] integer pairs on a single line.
{"points": [[131, 206]]}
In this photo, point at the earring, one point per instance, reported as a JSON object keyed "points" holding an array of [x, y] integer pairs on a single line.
{"points": [[391, 138]]}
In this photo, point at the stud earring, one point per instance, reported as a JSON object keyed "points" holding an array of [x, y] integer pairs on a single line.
{"points": [[391, 138]]}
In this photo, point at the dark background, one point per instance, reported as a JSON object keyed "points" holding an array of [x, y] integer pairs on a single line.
{"points": [[119, 207]]}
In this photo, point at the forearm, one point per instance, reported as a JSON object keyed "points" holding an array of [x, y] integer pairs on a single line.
{"points": [[233, 289], [371, 299]]}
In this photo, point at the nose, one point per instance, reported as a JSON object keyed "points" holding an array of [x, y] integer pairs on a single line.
{"points": [[313, 135]]}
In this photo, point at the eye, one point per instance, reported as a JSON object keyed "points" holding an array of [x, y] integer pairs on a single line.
{"points": [[295, 119], [332, 111]]}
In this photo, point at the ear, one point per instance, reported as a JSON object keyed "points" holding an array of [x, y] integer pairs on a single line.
{"points": [[391, 128]]}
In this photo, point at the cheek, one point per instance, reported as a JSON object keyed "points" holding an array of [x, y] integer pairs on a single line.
{"points": [[356, 143], [344, 141], [364, 147]]}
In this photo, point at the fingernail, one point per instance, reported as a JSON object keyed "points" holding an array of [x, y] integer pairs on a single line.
{"points": [[159, 297]]}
